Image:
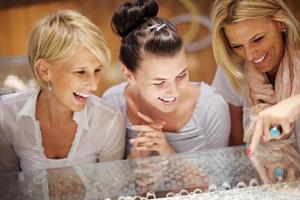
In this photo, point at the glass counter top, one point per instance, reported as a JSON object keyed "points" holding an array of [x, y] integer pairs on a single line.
{"points": [[225, 173]]}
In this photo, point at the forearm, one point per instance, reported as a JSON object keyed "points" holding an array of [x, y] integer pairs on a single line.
{"points": [[296, 111], [236, 133]]}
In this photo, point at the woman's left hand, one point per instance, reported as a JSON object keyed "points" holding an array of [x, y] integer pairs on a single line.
{"points": [[284, 114], [151, 137]]}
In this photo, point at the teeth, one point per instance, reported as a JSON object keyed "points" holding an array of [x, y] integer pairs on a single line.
{"points": [[82, 94], [167, 99], [260, 59]]}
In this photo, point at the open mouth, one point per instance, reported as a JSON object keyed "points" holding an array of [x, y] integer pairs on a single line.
{"points": [[167, 100], [258, 61], [81, 96]]}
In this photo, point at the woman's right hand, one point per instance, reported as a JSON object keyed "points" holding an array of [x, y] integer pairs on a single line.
{"points": [[151, 138], [284, 113]]}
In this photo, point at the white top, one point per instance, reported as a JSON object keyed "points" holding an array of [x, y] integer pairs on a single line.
{"points": [[208, 127], [225, 88], [100, 132]]}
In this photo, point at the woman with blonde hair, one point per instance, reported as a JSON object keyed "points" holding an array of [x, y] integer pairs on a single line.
{"points": [[62, 123], [255, 42]]}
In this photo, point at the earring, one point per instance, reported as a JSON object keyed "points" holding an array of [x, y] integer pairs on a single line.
{"points": [[283, 30], [49, 87]]}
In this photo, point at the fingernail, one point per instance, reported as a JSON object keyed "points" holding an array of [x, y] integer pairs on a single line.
{"points": [[132, 141], [249, 152]]}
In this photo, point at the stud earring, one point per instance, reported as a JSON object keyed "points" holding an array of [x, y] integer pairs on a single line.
{"points": [[283, 30], [49, 87]]}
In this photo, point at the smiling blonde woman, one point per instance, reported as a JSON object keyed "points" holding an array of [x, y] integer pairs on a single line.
{"points": [[62, 123], [256, 44]]}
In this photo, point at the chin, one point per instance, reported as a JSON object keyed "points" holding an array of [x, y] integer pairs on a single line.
{"points": [[167, 109], [77, 108]]}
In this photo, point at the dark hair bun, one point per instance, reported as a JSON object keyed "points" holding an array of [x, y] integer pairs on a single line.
{"points": [[131, 14]]}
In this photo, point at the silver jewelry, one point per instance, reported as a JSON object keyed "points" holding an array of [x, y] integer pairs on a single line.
{"points": [[275, 131], [279, 173], [253, 182], [157, 27], [49, 87]]}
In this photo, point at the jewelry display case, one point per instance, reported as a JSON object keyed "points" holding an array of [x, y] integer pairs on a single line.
{"points": [[225, 173]]}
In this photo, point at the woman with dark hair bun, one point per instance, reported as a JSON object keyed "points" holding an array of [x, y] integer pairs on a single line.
{"points": [[165, 113]]}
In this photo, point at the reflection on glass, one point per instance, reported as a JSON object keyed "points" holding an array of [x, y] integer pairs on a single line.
{"points": [[224, 173]]}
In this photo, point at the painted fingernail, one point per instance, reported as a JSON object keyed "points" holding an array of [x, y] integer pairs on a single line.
{"points": [[249, 152], [132, 141]]}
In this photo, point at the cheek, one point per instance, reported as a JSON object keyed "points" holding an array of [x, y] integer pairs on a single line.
{"points": [[239, 53], [183, 83], [97, 79], [64, 83]]}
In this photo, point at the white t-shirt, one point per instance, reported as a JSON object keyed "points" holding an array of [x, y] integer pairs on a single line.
{"points": [[100, 133], [209, 126]]}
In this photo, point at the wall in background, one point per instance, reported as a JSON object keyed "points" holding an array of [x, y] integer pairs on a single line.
{"points": [[17, 18]]}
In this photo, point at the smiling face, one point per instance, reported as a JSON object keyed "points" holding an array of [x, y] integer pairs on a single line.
{"points": [[74, 79], [161, 80], [259, 42]]}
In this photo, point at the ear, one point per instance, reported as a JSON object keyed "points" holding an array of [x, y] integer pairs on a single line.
{"points": [[129, 76], [281, 26], [42, 68]]}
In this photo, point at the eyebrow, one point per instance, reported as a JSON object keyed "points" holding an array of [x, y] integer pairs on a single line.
{"points": [[254, 37], [162, 79], [82, 67], [251, 39]]}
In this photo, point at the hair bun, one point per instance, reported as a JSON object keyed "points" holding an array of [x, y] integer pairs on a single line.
{"points": [[131, 14]]}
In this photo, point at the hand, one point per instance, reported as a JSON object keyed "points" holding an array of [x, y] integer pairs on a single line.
{"points": [[276, 166], [284, 114], [151, 138], [266, 170]]}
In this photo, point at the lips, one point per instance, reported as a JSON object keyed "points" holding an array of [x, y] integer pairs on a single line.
{"points": [[259, 60], [167, 100], [83, 95]]}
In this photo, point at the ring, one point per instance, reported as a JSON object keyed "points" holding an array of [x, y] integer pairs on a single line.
{"points": [[275, 131], [279, 173]]}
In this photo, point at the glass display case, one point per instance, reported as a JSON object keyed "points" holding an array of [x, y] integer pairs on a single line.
{"points": [[225, 173]]}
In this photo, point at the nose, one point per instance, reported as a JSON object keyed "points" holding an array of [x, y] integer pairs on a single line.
{"points": [[250, 53], [92, 83], [172, 89]]}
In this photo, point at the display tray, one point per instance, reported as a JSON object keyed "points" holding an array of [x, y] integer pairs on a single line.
{"points": [[225, 173]]}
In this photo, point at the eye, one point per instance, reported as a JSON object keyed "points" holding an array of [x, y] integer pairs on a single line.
{"points": [[258, 39], [81, 72], [97, 70], [181, 76], [236, 46], [158, 83]]}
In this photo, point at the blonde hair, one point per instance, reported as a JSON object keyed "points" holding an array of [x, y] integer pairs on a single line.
{"points": [[225, 12], [58, 36]]}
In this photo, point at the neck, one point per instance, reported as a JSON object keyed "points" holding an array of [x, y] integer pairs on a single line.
{"points": [[51, 109], [271, 78]]}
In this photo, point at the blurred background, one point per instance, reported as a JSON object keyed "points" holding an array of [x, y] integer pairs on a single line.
{"points": [[17, 18]]}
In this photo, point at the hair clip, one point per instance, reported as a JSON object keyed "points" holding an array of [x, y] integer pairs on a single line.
{"points": [[157, 27]]}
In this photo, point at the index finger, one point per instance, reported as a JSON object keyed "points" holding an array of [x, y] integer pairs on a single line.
{"points": [[257, 134]]}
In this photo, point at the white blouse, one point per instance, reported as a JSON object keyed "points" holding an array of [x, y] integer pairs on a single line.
{"points": [[100, 133]]}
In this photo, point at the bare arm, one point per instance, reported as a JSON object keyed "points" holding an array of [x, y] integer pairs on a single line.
{"points": [[236, 133]]}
